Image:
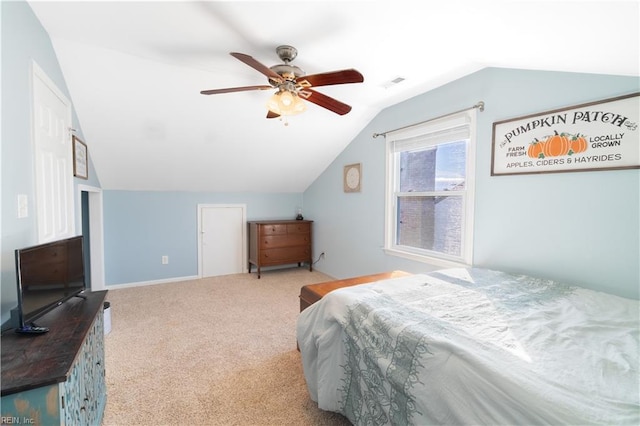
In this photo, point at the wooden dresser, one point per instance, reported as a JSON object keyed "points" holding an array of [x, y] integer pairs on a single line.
{"points": [[279, 242]]}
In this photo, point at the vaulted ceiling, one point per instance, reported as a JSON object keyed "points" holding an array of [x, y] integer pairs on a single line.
{"points": [[135, 71]]}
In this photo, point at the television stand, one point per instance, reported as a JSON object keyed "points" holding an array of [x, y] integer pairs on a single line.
{"points": [[60, 376], [81, 296]]}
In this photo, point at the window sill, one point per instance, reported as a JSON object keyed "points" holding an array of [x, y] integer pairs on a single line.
{"points": [[426, 259]]}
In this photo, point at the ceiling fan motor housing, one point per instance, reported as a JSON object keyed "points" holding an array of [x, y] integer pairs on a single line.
{"points": [[289, 72]]}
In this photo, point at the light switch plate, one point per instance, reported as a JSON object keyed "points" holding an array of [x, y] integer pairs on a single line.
{"points": [[23, 206]]}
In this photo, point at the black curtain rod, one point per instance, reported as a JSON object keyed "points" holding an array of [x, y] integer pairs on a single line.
{"points": [[479, 105]]}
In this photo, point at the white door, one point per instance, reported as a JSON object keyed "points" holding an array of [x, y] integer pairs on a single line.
{"points": [[222, 239], [53, 159]]}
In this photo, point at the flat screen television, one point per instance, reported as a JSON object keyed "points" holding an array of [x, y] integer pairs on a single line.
{"points": [[47, 275]]}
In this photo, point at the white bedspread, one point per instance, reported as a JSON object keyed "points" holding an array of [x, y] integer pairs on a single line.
{"points": [[472, 346]]}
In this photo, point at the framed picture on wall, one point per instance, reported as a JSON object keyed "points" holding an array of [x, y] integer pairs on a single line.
{"points": [[80, 159], [602, 135], [352, 177]]}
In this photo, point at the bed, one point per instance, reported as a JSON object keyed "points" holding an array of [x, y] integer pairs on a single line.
{"points": [[472, 346]]}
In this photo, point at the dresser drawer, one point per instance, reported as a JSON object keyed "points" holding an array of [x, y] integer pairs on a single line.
{"points": [[273, 229], [290, 240], [278, 256], [299, 228]]}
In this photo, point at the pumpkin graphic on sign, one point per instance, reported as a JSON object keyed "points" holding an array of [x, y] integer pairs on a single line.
{"points": [[578, 144], [535, 149], [557, 145]]}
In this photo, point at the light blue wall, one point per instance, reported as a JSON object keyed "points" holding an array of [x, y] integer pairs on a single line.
{"points": [[591, 220], [582, 228], [23, 41], [140, 227]]}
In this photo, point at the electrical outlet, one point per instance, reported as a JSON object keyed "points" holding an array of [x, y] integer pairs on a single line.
{"points": [[165, 260]]}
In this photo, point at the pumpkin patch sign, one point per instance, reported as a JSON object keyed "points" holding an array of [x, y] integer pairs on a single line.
{"points": [[601, 135]]}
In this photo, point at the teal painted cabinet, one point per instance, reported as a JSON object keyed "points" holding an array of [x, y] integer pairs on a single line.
{"points": [[61, 380]]}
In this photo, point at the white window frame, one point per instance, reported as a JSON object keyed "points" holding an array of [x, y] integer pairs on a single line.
{"points": [[421, 132]]}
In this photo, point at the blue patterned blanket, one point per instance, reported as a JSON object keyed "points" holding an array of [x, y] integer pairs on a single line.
{"points": [[472, 346]]}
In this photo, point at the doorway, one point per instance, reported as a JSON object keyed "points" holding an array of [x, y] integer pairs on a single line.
{"points": [[222, 246], [92, 230]]}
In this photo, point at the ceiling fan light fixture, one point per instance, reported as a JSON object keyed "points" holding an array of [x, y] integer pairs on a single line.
{"points": [[286, 99], [285, 102]]}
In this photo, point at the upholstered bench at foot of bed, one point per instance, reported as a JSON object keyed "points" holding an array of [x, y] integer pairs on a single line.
{"points": [[310, 294]]}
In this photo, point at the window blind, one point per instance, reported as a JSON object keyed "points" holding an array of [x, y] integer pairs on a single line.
{"points": [[430, 133]]}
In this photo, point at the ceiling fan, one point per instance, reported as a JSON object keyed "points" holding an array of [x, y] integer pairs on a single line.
{"points": [[293, 85]]}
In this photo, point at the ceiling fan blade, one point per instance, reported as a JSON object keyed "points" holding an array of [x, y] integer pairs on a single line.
{"points": [[235, 89], [271, 114], [324, 101], [329, 78], [253, 63]]}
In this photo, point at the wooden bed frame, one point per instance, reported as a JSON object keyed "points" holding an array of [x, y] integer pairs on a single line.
{"points": [[311, 293]]}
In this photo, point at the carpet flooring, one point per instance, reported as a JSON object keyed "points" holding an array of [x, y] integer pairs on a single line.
{"points": [[212, 351]]}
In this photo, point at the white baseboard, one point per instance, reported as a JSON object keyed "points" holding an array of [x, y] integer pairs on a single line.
{"points": [[154, 282]]}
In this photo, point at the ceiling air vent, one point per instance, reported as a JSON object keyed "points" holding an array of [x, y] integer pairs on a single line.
{"points": [[393, 82]]}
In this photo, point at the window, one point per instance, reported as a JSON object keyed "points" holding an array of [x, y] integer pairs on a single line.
{"points": [[430, 190]]}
